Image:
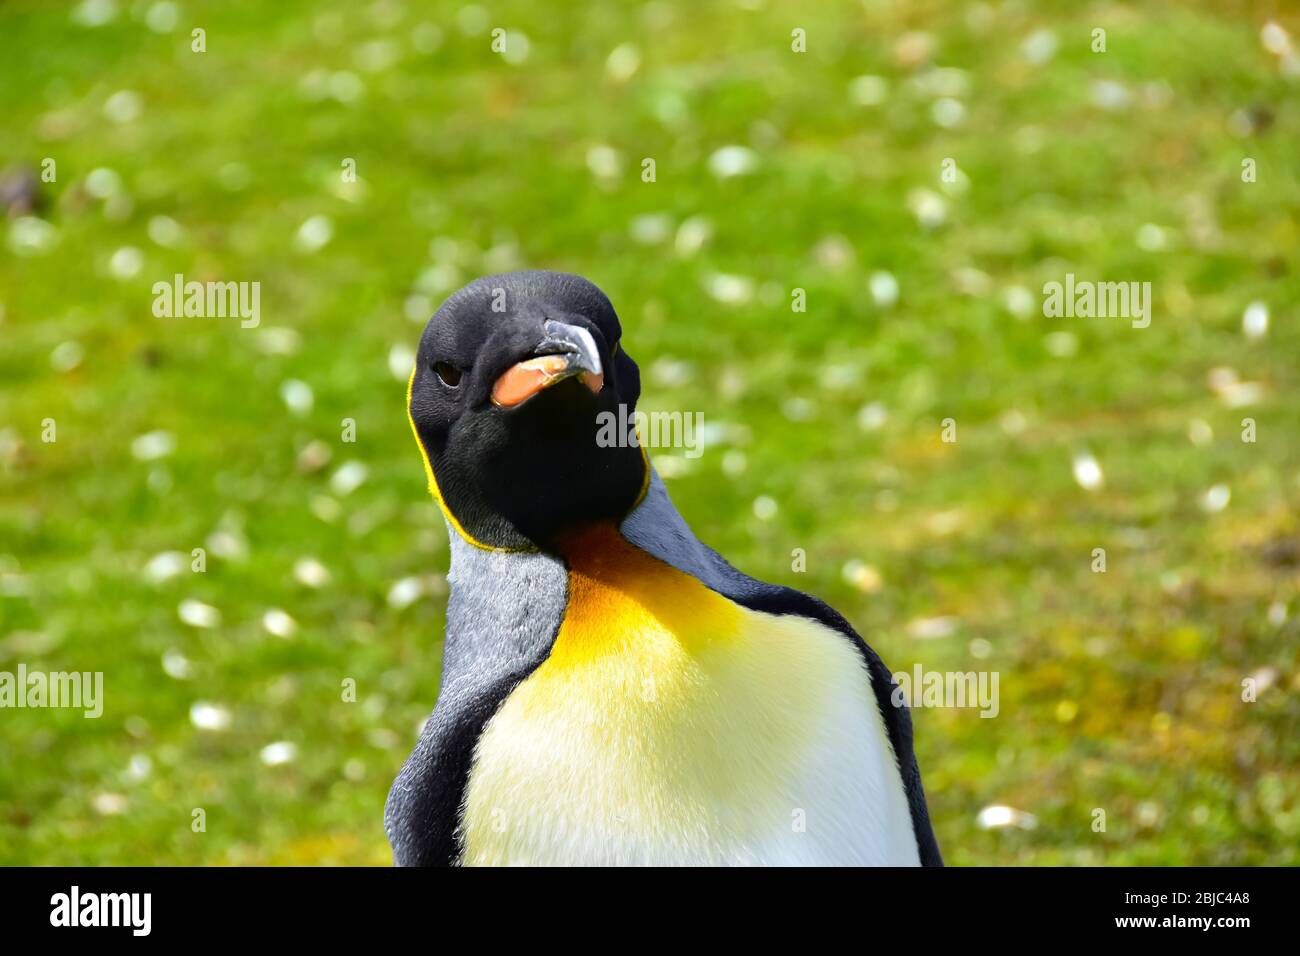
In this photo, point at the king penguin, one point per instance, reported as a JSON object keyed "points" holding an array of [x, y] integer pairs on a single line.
{"points": [[613, 691]]}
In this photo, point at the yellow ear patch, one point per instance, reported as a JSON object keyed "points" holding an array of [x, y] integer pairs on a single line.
{"points": [[433, 480]]}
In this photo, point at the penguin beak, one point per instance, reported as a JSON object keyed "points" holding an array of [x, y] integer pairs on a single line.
{"points": [[565, 351]]}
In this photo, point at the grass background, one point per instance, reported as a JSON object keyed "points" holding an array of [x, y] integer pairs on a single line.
{"points": [[1119, 691]]}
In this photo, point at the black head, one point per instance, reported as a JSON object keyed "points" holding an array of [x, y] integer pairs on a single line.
{"points": [[512, 377]]}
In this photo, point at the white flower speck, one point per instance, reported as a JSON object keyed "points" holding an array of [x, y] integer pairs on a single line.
{"points": [[279, 753], [883, 288], [732, 161], [165, 231], [164, 566], [297, 396], [311, 572], [229, 543], [622, 62], [692, 234], [869, 90], [1216, 499], [206, 716], [1275, 39], [109, 804], [278, 340], [153, 445], [29, 236], [729, 289], [517, 48], [314, 234], [405, 592], [197, 614], [1019, 301], [947, 112], [417, 307], [177, 666], [997, 817], [95, 13], [400, 362], [651, 229], [929, 208], [162, 17], [103, 182], [604, 161], [672, 466], [1152, 238], [1254, 321], [126, 263], [1039, 46], [931, 628], [350, 476], [278, 623], [66, 356], [124, 106], [1110, 95], [1087, 471], [1061, 344], [862, 576], [314, 456], [872, 416]]}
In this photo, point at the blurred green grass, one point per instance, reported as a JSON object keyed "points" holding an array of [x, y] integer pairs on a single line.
{"points": [[1120, 691]]}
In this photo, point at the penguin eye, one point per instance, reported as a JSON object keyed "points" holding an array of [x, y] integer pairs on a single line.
{"points": [[449, 374]]}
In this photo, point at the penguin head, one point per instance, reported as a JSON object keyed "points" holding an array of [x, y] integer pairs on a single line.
{"points": [[514, 377]]}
